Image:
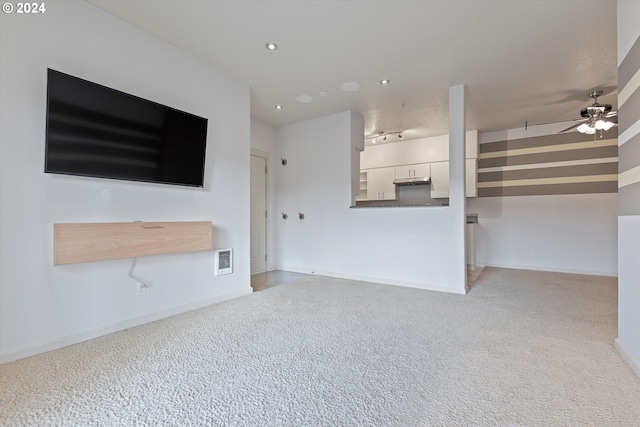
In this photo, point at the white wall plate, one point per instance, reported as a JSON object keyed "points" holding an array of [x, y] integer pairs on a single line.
{"points": [[224, 261]]}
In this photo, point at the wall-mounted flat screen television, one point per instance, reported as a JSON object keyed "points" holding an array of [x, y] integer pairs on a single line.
{"points": [[96, 131]]}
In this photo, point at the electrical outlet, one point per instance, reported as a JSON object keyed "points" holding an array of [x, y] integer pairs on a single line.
{"points": [[140, 288]]}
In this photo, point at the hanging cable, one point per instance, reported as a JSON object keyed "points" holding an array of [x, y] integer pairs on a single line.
{"points": [[133, 265]]}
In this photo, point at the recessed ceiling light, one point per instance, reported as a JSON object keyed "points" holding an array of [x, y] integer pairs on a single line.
{"points": [[350, 87], [385, 81], [279, 107], [304, 98], [271, 46]]}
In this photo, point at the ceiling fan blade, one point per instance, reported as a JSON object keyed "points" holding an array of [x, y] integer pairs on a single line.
{"points": [[574, 126], [611, 114], [559, 121]]}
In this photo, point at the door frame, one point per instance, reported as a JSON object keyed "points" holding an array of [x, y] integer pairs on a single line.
{"points": [[264, 155]]}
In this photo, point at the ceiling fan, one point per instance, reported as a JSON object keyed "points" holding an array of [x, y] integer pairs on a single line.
{"points": [[595, 117]]}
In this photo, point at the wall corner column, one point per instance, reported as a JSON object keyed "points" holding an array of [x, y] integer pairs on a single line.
{"points": [[357, 147], [457, 179], [628, 341]]}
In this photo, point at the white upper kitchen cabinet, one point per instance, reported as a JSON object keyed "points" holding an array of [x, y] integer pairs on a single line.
{"points": [[422, 169], [472, 177], [380, 184], [440, 180], [413, 171]]}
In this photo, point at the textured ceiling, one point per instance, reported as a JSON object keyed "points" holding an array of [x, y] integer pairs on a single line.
{"points": [[521, 61]]}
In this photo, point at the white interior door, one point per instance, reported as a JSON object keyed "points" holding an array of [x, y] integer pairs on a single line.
{"points": [[258, 214]]}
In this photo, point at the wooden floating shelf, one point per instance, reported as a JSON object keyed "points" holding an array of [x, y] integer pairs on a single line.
{"points": [[86, 242]]}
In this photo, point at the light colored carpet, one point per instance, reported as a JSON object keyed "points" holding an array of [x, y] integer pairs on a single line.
{"points": [[521, 349]]}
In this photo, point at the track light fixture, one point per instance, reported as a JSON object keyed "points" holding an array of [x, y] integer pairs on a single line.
{"points": [[383, 136]]}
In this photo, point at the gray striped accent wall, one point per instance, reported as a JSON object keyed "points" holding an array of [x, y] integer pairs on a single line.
{"points": [[629, 131], [567, 163]]}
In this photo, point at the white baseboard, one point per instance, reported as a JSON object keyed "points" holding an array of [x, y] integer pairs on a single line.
{"points": [[427, 287], [627, 356], [29, 350], [550, 269], [64, 341]]}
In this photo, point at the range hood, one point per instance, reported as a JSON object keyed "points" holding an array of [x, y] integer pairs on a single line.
{"points": [[414, 180]]}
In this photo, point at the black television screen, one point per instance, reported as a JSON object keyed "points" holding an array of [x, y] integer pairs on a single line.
{"points": [[96, 131]]}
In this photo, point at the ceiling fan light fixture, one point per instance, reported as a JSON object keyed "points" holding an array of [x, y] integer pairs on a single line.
{"points": [[603, 125], [586, 128], [596, 117]]}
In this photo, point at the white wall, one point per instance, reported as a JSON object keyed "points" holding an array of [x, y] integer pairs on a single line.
{"points": [[406, 246], [44, 307], [575, 233], [264, 139], [565, 233], [628, 342]]}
